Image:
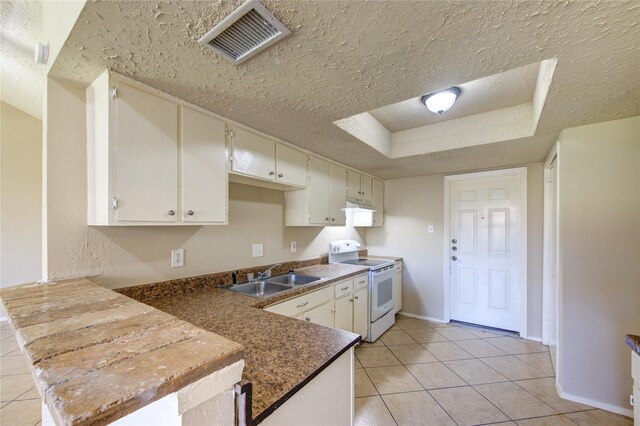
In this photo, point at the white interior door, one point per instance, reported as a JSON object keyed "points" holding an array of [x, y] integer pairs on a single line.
{"points": [[485, 248]]}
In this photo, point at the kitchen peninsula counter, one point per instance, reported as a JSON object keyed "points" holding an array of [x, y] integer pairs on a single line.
{"points": [[97, 356], [282, 354]]}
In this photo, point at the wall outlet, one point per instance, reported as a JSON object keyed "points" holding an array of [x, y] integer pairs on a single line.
{"points": [[177, 258], [257, 250], [294, 246], [430, 229]]}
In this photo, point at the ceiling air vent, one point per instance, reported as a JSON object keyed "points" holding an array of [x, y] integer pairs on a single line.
{"points": [[248, 30]]}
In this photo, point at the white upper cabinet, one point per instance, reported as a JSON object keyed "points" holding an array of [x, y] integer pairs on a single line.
{"points": [[358, 186], [338, 197], [253, 155], [291, 166], [146, 138], [321, 203], [378, 202], [204, 168], [134, 144]]}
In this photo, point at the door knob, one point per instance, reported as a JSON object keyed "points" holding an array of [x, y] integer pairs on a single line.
{"points": [[454, 241], [454, 258]]}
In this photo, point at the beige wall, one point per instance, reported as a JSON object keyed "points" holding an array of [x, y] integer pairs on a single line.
{"points": [[132, 255], [411, 204], [599, 225], [21, 189]]}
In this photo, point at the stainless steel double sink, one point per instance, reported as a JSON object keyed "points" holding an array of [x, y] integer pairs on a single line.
{"points": [[273, 285]]}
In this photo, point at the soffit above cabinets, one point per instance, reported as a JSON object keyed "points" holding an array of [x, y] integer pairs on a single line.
{"points": [[349, 57], [496, 108]]}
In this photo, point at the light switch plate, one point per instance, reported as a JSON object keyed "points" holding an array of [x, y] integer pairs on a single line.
{"points": [[177, 258], [257, 250], [294, 246], [430, 229]]}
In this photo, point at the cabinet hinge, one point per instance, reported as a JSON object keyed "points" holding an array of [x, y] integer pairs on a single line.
{"points": [[114, 203], [226, 210], [228, 132], [114, 92]]}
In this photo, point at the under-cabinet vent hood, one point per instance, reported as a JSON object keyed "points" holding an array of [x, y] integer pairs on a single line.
{"points": [[354, 205], [248, 30]]}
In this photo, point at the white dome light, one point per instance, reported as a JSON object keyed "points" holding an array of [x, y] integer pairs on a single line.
{"points": [[441, 101]]}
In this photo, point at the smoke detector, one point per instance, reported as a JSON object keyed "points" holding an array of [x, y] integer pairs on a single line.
{"points": [[247, 31]]}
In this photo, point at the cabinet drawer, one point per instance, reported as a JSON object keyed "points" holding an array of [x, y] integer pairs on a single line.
{"points": [[343, 288], [360, 282], [303, 303]]}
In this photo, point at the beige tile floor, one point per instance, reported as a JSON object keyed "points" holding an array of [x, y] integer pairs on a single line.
{"points": [[418, 373], [19, 399], [425, 373]]}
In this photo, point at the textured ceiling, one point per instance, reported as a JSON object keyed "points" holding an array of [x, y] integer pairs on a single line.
{"points": [[344, 58], [20, 77]]}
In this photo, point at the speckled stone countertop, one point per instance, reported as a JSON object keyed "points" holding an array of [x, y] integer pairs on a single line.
{"points": [[633, 341], [281, 354], [95, 354]]}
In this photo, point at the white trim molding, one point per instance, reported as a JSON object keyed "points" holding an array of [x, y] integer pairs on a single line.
{"points": [[521, 172], [422, 317]]}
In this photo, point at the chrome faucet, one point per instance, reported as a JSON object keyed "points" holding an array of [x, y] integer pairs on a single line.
{"points": [[267, 273]]}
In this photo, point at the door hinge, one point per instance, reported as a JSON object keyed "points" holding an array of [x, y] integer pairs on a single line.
{"points": [[114, 92], [114, 203]]}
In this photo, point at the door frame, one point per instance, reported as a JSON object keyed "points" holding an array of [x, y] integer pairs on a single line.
{"points": [[521, 172], [549, 240]]}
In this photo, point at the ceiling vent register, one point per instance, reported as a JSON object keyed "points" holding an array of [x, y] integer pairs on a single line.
{"points": [[247, 31]]}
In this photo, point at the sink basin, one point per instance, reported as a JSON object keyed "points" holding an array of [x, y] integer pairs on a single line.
{"points": [[294, 279], [260, 288]]}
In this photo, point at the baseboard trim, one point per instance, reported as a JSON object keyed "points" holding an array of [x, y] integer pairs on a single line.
{"points": [[422, 317], [598, 404], [535, 339]]}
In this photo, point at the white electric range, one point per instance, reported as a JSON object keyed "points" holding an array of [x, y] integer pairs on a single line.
{"points": [[381, 276]]}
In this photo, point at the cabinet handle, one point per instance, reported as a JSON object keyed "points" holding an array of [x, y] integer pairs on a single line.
{"points": [[271, 173], [280, 175], [333, 219], [326, 219], [190, 212], [307, 319], [350, 300], [356, 297], [171, 212], [344, 288], [303, 305]]}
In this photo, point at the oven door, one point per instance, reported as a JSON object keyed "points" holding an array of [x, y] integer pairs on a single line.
{"points": [[382, 291]]}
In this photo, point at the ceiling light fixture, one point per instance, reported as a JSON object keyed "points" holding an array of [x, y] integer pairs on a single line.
{"points": [[439, 102]]}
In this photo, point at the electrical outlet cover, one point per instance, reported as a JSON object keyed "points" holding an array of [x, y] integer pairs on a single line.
{"points": [[257, 250], [177, 258], [294, 246]]}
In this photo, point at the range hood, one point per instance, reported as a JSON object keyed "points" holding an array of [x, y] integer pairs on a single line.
{"points": [[355, 205]]}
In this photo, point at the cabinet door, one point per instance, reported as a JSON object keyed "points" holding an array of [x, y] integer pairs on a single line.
{"points": [[361, 312], [291, 166], [344, 313], [365, 188], [397, 288], [146, 138], [204, 168], [319, 187], [338, 197], [378, 202], [353, 184], [253, 155], [322, 315]]}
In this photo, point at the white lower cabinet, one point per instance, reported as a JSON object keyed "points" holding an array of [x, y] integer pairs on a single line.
{"points": [[343, 305], [397, 288], [361, 312], [344, 313], [322, 315]]}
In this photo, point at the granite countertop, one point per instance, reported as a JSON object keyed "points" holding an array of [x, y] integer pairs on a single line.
{"points": [[634, 342], [281, 354], [95, 353]]}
